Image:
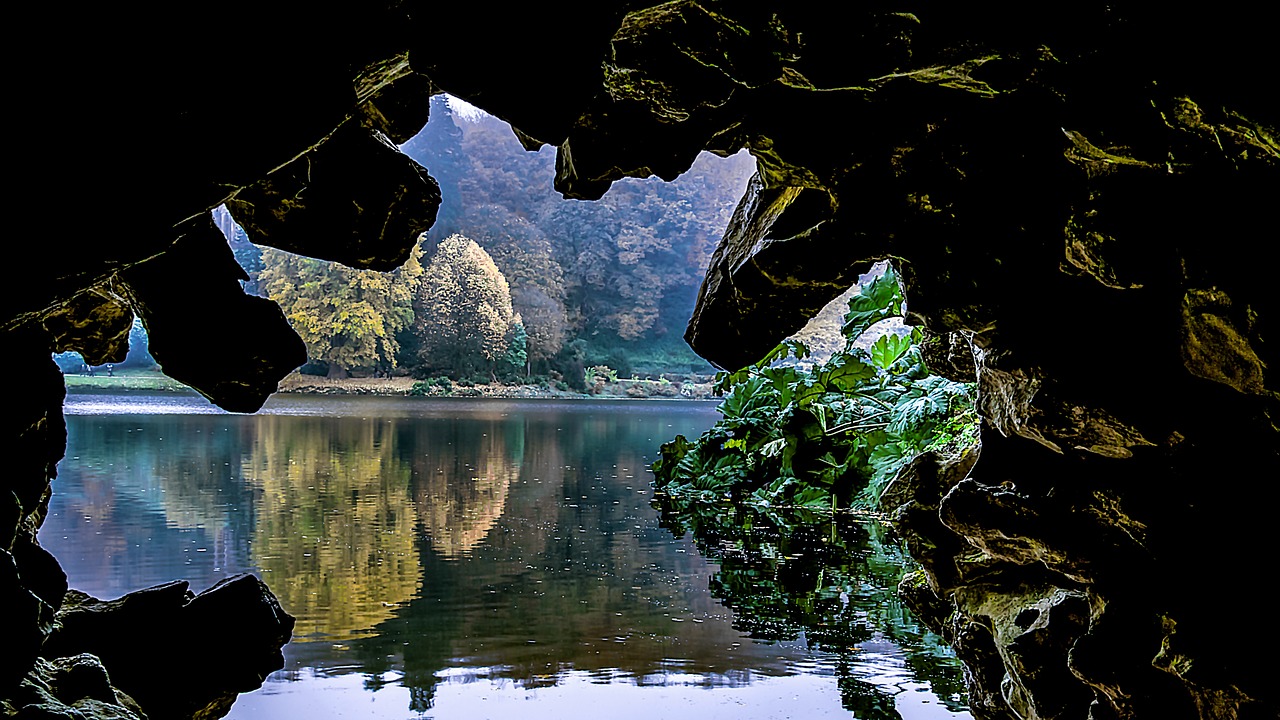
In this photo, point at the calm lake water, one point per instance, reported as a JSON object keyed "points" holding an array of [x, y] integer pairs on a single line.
{"points": [[475, 559]]}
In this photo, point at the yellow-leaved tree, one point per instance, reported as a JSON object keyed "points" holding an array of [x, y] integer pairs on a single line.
{"points": [[464, 315], [348, 318]]}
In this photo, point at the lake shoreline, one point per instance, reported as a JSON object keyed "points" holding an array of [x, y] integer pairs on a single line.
{"points": [[621, 389]]}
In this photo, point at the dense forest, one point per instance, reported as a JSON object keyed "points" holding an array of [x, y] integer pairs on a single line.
{"points": [[524, 283]]}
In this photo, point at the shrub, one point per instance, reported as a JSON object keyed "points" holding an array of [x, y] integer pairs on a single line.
{"points": [[431, 385], [830, 434], [661, 389], [315, 367], [601, 374]]}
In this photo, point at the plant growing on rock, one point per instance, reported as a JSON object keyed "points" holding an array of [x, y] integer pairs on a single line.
{"points": [[828, 436]]}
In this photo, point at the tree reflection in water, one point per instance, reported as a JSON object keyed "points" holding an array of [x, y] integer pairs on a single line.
{"points": [[448, 550], [334, 531]]}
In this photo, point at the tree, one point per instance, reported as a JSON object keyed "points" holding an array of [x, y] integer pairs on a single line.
{"points": [[139, 347], [464, 313], [248, 255], [348, 318], [633, 260], [544, 320], [625, 269], [515, 361]]}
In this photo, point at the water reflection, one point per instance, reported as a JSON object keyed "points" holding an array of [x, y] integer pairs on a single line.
{"points": [[463, 476], [139, 502], [334, 536], [830, 578], [482, 558]]}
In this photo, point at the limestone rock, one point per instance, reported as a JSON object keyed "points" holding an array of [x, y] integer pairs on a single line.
{"points": [[31, 582], [71, 688], [559, 59], [753, 270], [95, 323]]}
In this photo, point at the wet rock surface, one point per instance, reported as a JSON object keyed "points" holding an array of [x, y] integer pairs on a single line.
{"points": [[1083, 197]]}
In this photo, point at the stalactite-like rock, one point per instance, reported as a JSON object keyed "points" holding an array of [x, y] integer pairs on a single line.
{"points": [[198, 322], [356, 199]]}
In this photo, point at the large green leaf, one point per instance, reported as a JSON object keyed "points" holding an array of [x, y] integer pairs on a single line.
{"points": [[843, 374], [888, 348], [879, 300]]}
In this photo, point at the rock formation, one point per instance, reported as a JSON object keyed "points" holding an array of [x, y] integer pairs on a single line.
{"points": [[1080, 200]]}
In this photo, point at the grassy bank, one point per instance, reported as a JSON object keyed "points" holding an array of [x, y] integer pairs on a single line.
{"points": [[134, 380], [131, 380]]}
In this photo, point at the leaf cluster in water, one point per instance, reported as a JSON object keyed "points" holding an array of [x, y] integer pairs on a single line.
{"points": [[795, 442]]}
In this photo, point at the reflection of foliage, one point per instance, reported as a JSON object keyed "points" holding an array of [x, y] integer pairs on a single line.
{"points": [[523, 597], [830, 435], [462, 488], [335, 534], [830, 576], [153, 511]]}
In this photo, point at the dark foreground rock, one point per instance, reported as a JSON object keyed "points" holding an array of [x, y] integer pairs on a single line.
{"points": [[177, 654], [71, 688]]}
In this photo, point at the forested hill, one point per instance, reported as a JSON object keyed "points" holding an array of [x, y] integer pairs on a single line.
{"points": [[622, 273], [554, 286]]}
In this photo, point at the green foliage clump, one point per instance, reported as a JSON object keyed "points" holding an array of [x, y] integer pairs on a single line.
{"points": [[431, 386], [829, 435], [601, 374], [69, 362]]}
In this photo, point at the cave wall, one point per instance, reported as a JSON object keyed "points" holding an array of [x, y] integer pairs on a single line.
{"points": [[1080, 200]]}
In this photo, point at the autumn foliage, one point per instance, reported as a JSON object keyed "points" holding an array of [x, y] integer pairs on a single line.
{"points": [[463, 307]]}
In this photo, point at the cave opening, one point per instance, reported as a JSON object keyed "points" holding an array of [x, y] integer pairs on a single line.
{"points": [[377, 523], [1034, 172]]}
